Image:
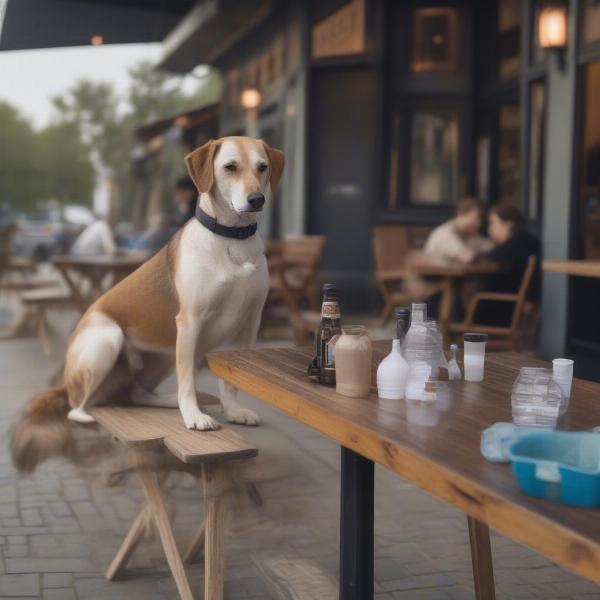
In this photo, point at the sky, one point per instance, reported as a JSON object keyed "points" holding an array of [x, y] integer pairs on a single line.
{"points": [[28, 78]]}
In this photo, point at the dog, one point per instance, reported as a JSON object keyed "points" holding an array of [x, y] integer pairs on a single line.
{"points": [[206, 287]]}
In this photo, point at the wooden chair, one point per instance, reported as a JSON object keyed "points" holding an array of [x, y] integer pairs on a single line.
{"points": [[143, 431], [502, 337], [294, 268], [391, 247]]}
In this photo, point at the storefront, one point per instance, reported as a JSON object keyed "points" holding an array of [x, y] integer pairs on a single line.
{"points": [[392, 111]]}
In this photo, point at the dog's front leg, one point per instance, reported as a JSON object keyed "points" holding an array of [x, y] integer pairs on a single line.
{"points": [[185, 354], [235, 413]]}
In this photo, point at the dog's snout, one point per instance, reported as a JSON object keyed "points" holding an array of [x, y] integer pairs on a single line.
{"points": [[256, 200]]}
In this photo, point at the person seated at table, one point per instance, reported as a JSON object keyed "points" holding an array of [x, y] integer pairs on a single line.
{"points": [[97, 238], [184, 200], [157, 234], [514, 246], [460, 239]]}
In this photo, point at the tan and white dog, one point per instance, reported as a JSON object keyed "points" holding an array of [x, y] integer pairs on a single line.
{"points": [[206, 287]]}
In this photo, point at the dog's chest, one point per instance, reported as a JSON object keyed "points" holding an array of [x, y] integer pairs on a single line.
{"points": [[223, 284]]}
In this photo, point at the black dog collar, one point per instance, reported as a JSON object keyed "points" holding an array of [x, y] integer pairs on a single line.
{"points": [[238, 233]]}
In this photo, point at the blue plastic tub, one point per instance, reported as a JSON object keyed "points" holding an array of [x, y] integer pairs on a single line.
{"points": [[559, 465]]}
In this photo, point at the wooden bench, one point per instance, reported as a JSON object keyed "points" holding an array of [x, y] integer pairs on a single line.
{"points": [[143, 430]]}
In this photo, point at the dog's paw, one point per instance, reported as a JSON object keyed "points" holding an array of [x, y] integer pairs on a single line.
{"points": [[196, 419], [242, 416], [80, 416]]}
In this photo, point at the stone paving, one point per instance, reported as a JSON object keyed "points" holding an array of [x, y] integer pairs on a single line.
{"points": [[58, 530]]}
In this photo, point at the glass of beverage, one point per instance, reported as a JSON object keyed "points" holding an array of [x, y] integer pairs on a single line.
{"points": [[353, 360], [474, 356]]}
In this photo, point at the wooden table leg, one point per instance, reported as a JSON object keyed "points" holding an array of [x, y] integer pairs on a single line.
{"points": [[196, 548], [214, 542], [445, 311], [356, 527], [130, 543], [159, 514], [481, 556]]}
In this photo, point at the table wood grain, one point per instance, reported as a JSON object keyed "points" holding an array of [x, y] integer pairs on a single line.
{"points": [[445, 459], [578, 268]]}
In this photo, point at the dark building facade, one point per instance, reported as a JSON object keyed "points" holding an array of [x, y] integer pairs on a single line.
{"points": [[391, 111]]}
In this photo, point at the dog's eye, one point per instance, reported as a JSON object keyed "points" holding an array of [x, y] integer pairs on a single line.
{"points": [[231, 167], [262, 168]]}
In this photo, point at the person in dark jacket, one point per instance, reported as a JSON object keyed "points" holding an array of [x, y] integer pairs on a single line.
{"points": [[514, 246]]}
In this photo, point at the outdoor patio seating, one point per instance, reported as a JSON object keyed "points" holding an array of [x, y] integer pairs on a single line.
{"points": [[503, 337], [144, 431], [294, 267], [391, 247]]}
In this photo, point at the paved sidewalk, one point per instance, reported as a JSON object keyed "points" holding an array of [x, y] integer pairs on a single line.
{"points": [[58, 531]]}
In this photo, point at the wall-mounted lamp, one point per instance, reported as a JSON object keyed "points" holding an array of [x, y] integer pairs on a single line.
{"points": [[250, 98], [553, 30]]}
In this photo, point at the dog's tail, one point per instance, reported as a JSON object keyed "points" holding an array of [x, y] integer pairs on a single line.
{"points": [[41, 431]]}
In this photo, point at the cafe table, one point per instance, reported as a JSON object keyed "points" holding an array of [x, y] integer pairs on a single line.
{"points": [[95, 269], [577, 268], [448, 273], [443, 460]]}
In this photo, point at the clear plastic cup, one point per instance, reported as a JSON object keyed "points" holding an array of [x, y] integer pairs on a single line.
{"points": [[562, 373], [474, 356]]}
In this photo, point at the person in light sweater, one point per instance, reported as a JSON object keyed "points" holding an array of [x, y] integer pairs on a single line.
{"points": [[459, 239]]}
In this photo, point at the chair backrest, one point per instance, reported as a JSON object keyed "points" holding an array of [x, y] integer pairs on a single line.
{"points": [[523, 289], [391, 245], [303, 250]]}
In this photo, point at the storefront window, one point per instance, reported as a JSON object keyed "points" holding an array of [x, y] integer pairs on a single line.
{"points": [[509, 30], [509, 154], [590, 163], [537, 100], [434, 157], [590, 22], [435, 39]]}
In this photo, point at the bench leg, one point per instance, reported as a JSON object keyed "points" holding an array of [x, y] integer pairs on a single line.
{"points": [[214, 542], [481, 556], [130, 543], [196, 548], [159, 514]]}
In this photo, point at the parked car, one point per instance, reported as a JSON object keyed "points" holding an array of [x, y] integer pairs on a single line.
{"points": [[51, 231]]}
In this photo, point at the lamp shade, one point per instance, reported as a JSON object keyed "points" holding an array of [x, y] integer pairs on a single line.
{"points": [[250, 98], [552, 24]]}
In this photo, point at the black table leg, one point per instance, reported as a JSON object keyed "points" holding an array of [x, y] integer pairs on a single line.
{"points": [[356, 527]]}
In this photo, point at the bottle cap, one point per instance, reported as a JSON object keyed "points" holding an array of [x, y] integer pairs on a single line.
{"points": [[475, 337], [329, 292], [402, 312]]}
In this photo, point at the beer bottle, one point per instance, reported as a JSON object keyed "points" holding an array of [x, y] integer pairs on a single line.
{"points": [[323, 365], [402, 323]]}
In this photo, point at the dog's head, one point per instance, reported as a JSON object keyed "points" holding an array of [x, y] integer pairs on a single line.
{"points": [[239, 171]]}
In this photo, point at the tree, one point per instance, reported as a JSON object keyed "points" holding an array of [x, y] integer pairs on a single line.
{"points": [[19, 169], [67, 171]]}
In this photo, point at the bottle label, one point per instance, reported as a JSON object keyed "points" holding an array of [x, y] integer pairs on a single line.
{"points": [[331, 310]]}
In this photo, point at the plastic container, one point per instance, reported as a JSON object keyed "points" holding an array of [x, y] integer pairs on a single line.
{"points": [[537, 400], [558, 465], [353, 360], [392, 374], [562, 373], [474, 356]]}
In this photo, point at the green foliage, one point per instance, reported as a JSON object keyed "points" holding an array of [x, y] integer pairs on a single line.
{"points": [[92, 127], [52, 163]]}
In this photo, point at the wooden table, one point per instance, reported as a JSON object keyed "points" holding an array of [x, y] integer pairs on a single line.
{"points": [[448, 273], [578, 268], [444, 460], [95, 269]]}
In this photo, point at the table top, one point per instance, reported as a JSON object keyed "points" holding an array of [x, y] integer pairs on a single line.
{"points": [[107, 261], [422, 264], [581, 268], [444, 459]]}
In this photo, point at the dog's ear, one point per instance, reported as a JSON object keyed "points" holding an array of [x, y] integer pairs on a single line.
{"points": [[276, 164], [199, 164]]}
